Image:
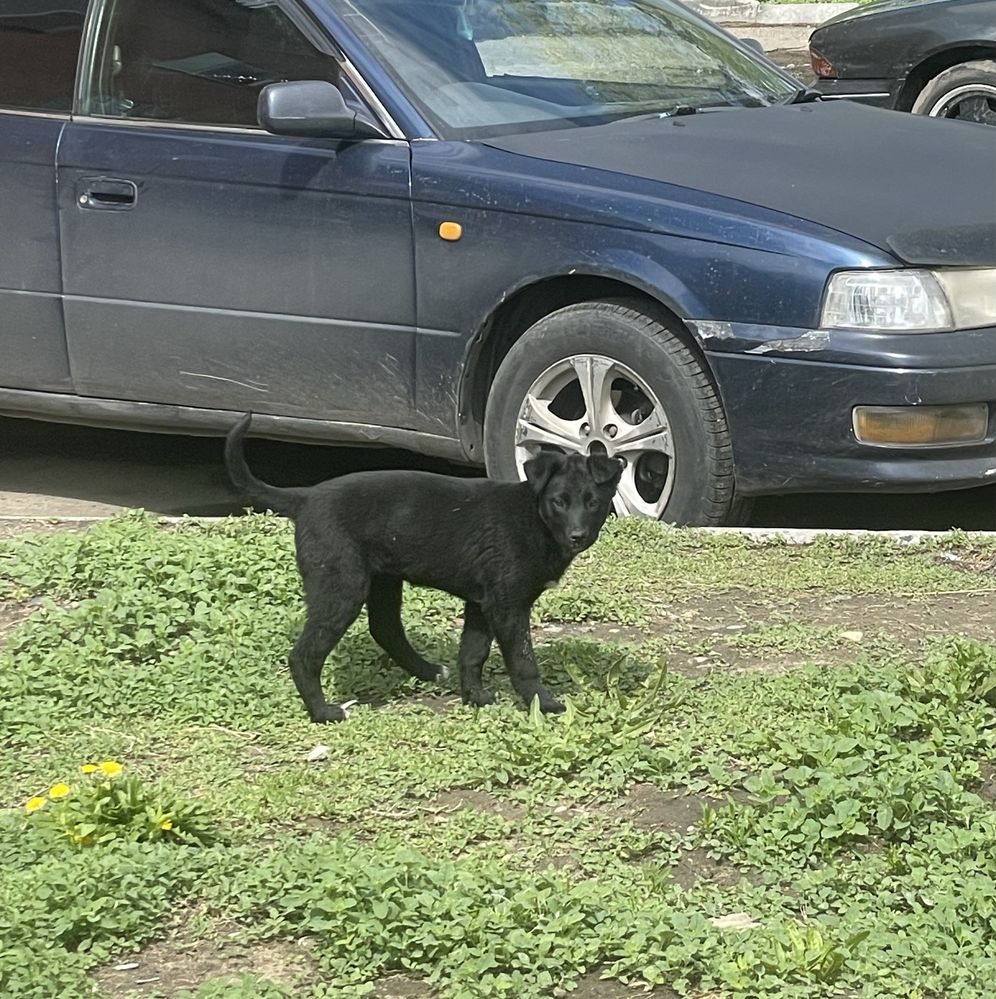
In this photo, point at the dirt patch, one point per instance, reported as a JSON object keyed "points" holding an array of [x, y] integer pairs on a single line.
{"points": [[695, 866], [478, 801], [984, 563], [329, 827], [17, 528], [598, 631], [401, 987], [593, 987], [589, 987], [438, 704], [649, 807], [165, 968], [744, 630], [11, 615], [904, 618], [987, 789]]}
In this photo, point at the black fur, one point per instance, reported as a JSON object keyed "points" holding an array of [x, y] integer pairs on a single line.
{"points": [[496, 545]]}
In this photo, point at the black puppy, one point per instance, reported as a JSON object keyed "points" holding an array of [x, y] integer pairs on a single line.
{"points": [[496, 545]]}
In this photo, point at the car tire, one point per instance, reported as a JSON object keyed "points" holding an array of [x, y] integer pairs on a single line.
{"points": [[966, 92], [608, 377]]}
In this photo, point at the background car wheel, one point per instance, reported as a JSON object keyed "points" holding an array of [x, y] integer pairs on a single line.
{"points": [[604, 376], [966, 92]]}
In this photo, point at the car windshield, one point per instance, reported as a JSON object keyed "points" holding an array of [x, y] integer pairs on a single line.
{"points": [[487, 67]]}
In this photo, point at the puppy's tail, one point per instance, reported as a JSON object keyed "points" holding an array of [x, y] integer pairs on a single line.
{"points": [[260, 494]]}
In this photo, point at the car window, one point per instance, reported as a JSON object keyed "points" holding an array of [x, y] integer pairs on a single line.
{"points": [[480, 67], [198, 62], [39, 49]]}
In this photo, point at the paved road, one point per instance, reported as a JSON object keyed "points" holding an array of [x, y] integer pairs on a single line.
{"points": [[47, 470], [796, 61]]}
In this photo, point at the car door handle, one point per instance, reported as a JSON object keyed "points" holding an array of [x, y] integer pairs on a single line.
{"points": [[106, 194]]}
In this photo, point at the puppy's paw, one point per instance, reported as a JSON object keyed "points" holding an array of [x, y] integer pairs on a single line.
{"points": [[551, 706], [481, 697], [427, 672], [329, 713]]}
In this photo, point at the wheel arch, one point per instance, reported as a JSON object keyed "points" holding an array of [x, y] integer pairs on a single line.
{"points": [[937, 62], [529, 303]]}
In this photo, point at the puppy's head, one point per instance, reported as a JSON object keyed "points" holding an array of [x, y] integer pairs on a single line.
{"points": [[574, 494]]}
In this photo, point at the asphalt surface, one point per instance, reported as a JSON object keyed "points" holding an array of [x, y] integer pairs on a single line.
{"points": [[796, 61], [49, 470]]}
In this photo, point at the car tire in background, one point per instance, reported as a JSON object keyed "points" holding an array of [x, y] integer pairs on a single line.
{"points": [[607, 377], [966, 92]]}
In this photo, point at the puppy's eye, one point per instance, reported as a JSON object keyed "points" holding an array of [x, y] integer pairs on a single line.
{"points": [[559, 503]]}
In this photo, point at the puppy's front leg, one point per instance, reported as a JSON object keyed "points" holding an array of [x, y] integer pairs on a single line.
{"points": [[475, 644], [511, 628]]}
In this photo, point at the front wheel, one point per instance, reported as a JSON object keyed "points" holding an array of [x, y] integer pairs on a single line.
{"points": [[603, 377], [966, 92]]}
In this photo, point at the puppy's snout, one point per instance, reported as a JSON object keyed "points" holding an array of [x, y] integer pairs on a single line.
{"points": [[578, 537]]}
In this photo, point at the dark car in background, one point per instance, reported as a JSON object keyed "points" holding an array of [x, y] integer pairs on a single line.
{"points": [[931, 57], [480, 228]]}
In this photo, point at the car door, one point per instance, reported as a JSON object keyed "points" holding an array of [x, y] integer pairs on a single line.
{"points": [[209, 264], [39, 48]]}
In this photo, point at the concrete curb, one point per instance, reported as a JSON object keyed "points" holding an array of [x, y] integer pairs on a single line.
{"points": [[751, 12], [777, 26], [763, 535]]}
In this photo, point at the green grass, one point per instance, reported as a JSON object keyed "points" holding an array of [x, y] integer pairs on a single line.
{"points": [[848, 825]]}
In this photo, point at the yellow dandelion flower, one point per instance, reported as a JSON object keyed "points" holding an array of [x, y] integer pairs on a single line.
{"points": [[88, 768], [110, 769], [166, 825], [33, 804], [57, 791]]}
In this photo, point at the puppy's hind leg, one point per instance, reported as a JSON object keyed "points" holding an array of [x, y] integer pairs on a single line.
{"points": [[384, 616], [475, 644], [333, 604]]}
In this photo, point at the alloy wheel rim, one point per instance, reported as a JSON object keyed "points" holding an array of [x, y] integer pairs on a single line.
{"points": [[972, 102], [592, 404]]}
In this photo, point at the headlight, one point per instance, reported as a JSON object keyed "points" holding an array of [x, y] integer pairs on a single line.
{"points": [[910, 301], [972, 295], [886, 300]]}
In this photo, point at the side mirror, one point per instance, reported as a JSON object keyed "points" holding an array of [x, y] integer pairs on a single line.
{"points": [[311, 109], [754, 44]]}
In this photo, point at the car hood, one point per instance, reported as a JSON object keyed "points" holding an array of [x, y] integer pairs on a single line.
{"points": [[920, 188]]}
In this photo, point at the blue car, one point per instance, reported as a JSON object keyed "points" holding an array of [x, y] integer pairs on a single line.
{"points": [[480, 228]]}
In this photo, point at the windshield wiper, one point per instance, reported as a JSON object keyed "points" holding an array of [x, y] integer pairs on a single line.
{"points": [[806, 95], [679, 111]]}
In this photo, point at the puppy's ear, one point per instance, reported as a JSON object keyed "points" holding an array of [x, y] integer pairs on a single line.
{"points": [[540, 470], [605, 470]]}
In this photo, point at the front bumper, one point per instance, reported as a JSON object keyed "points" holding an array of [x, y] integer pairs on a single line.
{"points": [[877, 93], [789, 396]]}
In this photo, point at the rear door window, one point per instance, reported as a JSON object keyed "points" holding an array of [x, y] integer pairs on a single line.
{"points": [[39, 50]]}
